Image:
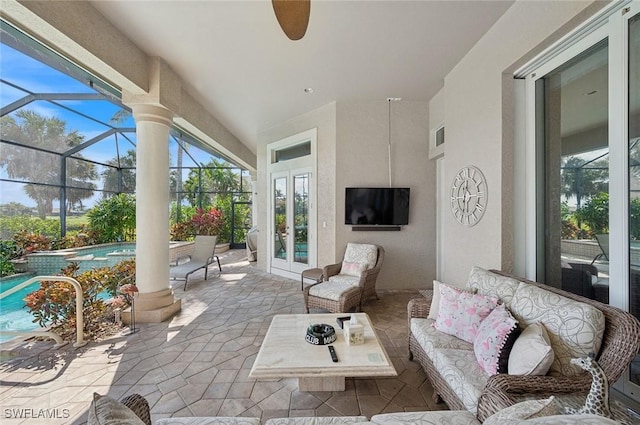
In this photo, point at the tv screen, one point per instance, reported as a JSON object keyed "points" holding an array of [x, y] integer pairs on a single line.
{"points": [[381, 206]]}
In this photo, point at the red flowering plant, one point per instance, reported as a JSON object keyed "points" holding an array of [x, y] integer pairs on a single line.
{"points": [[207, 222], [54, 302]]}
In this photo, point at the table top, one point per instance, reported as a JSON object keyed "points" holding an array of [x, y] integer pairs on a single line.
{"points": [[285, 353]]}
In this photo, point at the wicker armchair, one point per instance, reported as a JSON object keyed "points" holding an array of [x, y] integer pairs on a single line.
{"points": [[337, 297], [620, 344]]}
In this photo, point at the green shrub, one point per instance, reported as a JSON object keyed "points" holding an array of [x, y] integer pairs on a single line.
{"points": [[595, 213], [8, 251], [114, 218], [9, 226]]}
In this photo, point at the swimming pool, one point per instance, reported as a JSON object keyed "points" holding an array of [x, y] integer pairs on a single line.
{"points": [[14, 316]]}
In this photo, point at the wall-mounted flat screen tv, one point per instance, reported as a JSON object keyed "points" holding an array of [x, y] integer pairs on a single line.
{"points": [[377, 206]]}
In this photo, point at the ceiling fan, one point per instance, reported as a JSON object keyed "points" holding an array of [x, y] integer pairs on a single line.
{"points": [[293, 16]]}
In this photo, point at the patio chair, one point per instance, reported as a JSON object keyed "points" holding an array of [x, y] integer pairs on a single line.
{"points": [[203, 255], [603, 242], [348, 283]]}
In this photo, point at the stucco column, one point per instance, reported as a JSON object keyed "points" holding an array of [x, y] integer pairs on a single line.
{"points": [[155, 301]]}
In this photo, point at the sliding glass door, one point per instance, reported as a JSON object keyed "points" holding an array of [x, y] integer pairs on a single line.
{"points": [[583, 115]]}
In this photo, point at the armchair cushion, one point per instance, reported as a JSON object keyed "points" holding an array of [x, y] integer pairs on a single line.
{"points": [[331, 290], [361, 253]]}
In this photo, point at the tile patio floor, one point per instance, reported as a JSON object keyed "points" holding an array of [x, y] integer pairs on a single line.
{"points": [[197, 364]]}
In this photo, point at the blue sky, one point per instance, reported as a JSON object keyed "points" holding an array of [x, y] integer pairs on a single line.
{"points": [[36, 77]]}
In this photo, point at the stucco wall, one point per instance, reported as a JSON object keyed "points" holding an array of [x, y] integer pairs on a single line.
{"points": [[324, 119], [479, 127], [353, 151], [363, 160]]}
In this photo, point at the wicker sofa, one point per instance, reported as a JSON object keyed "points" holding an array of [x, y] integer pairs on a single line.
{"points": [[619, 345]]}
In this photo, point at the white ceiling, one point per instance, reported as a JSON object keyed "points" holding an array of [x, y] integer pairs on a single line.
{"points": [[250, 76]]}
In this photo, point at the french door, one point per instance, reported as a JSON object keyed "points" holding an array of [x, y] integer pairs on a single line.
{"points": [[291, 247], [291, 224], [583, 147]]}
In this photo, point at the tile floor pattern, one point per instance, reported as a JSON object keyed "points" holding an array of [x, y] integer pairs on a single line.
{"points": [[197, 364]]}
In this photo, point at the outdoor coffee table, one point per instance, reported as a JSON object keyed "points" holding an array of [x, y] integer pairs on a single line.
{"points": [[285, 354]]}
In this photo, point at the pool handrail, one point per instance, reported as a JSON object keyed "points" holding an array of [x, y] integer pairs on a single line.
{"points": [[79, 317]]}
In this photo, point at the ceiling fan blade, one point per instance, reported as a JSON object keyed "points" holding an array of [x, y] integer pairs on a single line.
{"points": [[293, 16]]}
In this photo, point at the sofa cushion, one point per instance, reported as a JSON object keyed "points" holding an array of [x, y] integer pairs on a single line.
{"points": [[568, 420], [204, 420], [328, 420], [105, 410], [461, 312], [430, 338], [496, 336], [493, 285], [531, 353], [524, 410], [462, 373], [362, 253], [575, 329], [333, 289], [445, 417]]}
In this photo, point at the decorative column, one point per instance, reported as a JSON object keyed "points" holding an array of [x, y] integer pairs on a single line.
{"points": [[155, 302]]}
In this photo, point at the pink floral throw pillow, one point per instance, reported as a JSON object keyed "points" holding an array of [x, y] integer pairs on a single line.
{"points": [[461, 312], [352, 269], [495, 338]]}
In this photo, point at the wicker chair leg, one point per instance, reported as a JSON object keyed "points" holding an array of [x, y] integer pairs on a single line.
{"points": [[410, 356], [139, 406], [436, 398]]}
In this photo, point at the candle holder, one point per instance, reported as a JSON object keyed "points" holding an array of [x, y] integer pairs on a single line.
{"points": [[129, 290]]}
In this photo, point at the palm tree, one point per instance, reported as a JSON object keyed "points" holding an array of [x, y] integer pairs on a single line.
{"points": [[39, 168]]}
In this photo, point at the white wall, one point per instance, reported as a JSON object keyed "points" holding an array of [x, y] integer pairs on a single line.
{"points": [[353, 151], [478, 105], [324, 119], [363, 160]]}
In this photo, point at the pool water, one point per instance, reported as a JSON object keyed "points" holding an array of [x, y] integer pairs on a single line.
{"points": [[14, 316]]}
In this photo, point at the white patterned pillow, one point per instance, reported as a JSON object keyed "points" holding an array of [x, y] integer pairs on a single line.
{"points": [[362, 253], [496, 336], [461, 312], [575, 329], [524, 410]]}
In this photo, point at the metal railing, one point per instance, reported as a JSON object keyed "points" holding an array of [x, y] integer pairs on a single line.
{"points": [[79, 318]]}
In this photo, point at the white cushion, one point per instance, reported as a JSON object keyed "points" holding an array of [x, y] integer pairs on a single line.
{"points": [[361, 253], [212, 420], [568, 420], [437, 417], [462, 373], [531, 353], [492, 284], [346, 279], [575, 329], [312, 420], [524, 410], [429, 338], [435, 301], [331, 290]]}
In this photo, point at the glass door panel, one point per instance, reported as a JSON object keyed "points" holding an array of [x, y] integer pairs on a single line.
{"points": [[280, 218], [574, 190], [301, 218], [634, 179]]}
